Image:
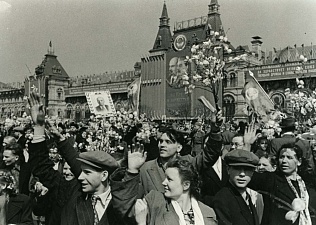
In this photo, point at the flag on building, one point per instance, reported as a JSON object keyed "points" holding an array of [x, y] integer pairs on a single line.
{"points": [[256, 98], [133, 92]]}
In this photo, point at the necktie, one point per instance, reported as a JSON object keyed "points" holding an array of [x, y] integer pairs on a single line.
{"points": [[94, 200]]}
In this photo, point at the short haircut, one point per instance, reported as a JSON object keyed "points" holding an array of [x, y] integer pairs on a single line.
{"points": [[174, 135], [15, 148], [187, 173]]}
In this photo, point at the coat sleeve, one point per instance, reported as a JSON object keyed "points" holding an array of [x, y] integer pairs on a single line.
{"points": [[70, 154], [263, 181], [211, 152], [43, 166], [124, 190]]}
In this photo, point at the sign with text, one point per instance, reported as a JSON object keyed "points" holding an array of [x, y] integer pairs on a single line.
{"points": [[283, 71]]}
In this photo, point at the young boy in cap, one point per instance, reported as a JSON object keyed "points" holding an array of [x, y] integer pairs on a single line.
{"points": [[88, 200], [233, 204]]}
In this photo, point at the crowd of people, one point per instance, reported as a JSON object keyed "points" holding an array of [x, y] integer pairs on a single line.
{"points": [[129, 170]]}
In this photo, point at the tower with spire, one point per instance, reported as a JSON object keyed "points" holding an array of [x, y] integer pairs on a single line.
{"points": [[162, 41], [50, 81], [214, 19]]}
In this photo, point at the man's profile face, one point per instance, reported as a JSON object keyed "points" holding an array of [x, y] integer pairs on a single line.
{"points": [[9, 158], [100, 100], [91, 179]]}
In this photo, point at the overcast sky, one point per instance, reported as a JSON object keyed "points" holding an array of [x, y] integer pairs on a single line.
{"points": [[94, 36]]}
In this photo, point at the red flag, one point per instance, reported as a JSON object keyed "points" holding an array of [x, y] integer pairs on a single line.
{"points": [[256, 97]]}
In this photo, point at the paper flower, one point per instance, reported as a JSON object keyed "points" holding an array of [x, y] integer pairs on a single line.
{"points": [[297, 205]]}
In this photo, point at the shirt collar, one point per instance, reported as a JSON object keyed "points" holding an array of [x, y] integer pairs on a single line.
{"points": [[104, 196]]}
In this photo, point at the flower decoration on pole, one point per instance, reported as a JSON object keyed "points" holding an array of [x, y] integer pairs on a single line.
{"points": [[206, 63], [303, 99]]}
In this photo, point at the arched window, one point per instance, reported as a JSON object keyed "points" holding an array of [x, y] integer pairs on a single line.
{"points": [[78, 112], [87, 112], [279, 99], [228, 107], [59, 93], [69, 111], [233, 80], [59, 112]]}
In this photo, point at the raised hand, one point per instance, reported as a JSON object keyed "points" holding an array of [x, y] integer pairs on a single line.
{"points": [[141, 211], [36, 109], [250, 135], [54, 131], [136, 157]]}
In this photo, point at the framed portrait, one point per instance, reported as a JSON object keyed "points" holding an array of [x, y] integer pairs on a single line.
{"points": [[101, 103]]}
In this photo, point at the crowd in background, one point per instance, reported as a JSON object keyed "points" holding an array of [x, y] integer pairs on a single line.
{"points": [[213, 148]]}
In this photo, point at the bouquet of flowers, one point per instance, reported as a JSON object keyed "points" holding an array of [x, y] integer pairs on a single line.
{"points": [[206, 63]]}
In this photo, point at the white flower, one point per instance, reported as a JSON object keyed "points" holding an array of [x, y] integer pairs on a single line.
{"points": [[216, 33], [206, 63], [297, 205], [186, 82], [207, 81], [185, 77]]}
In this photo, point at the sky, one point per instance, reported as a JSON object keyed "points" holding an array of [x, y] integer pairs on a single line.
{"points": [[95, 36]]}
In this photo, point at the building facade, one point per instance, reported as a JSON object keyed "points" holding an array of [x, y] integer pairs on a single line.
{"points": [[159, 97]]}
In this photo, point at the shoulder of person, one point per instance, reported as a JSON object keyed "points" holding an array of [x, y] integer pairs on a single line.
{"points": [[206, 210]]}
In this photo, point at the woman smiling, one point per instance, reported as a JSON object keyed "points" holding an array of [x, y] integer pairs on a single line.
{"points": [[177, 204]]}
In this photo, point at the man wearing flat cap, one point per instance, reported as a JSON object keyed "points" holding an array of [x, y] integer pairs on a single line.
{"points": [[87, 199], [232, 204]]}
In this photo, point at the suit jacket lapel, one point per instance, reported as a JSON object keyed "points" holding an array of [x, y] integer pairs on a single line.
{"points": [[170, 216], [84, 211], [214, 177], [224, 172], [155, 175], [244, 209]]}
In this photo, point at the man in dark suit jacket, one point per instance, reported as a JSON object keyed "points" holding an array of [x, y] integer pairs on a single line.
{"points": [[87, 205], [92, 170], [232, 204]]}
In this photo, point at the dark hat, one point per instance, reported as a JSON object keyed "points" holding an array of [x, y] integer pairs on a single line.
{"points": [[240, 157], [82, 129], [18, 129], [61, 125], [98, 159], [73, 124], [287, 122]]}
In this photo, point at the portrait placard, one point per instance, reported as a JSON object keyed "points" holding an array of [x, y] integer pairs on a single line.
{"points": [[100, 103]]}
